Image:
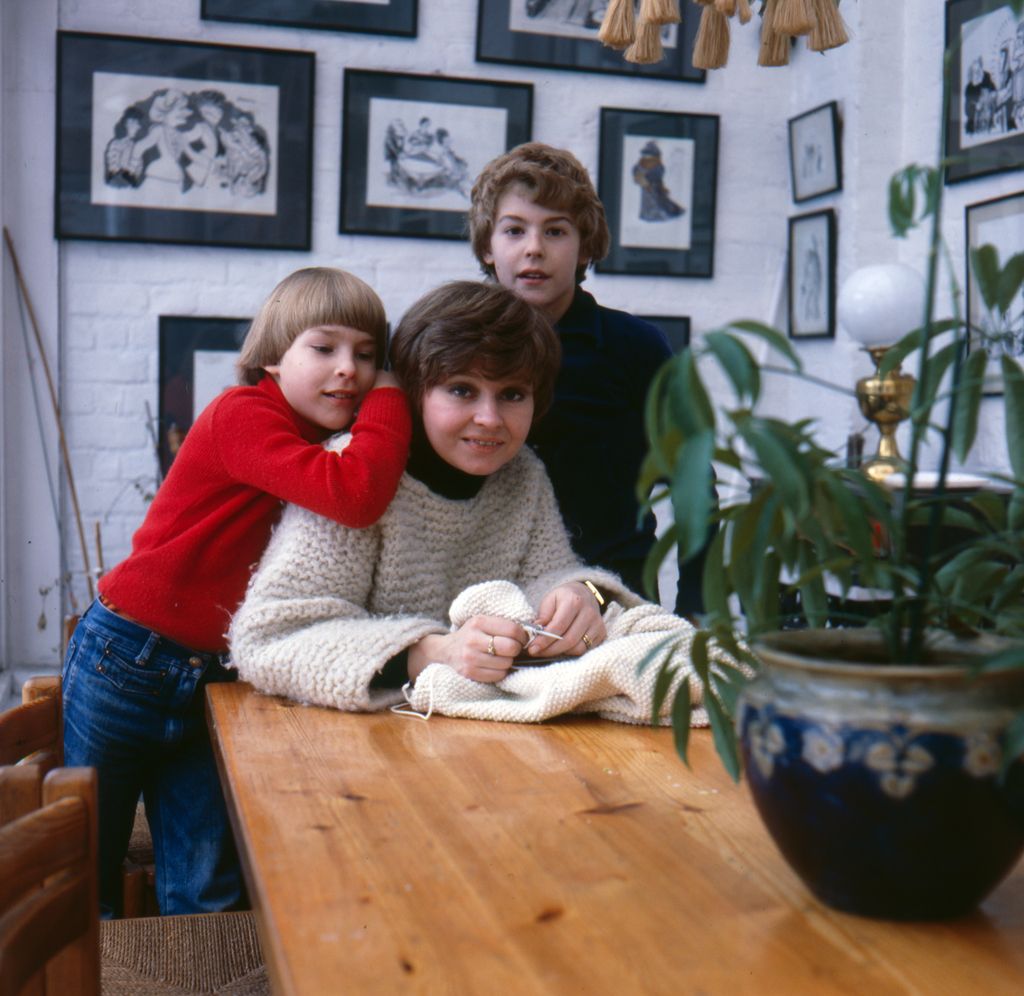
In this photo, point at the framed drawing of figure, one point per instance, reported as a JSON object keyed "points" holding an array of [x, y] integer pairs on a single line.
{"points": [[657, 180], [197, 361], [812, 275], [985, 122], [815, 159], [412, 146], [562, 34], [1000, 331], [163, 141]]}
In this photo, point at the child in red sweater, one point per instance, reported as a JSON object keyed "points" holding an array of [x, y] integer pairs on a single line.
{"points": [[140, 657]]}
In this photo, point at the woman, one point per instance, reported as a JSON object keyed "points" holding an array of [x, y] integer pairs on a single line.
{"points": [[346, 617]]}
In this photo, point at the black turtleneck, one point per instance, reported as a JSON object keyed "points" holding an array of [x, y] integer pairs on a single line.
{"points": [[437, 474]]}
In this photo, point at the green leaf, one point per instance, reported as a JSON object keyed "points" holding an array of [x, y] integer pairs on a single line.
{"points": [[991, 507], [713, 582], [1013, 386], [663, 545], [773, 337], [688, 404], [682, 715], [662, 686], [934, 370], [737, 362], [1010, 280], [985, 264], [693, 495], [902, 202], [965, 421], [762, 436], [723, 733], [652, 419]]}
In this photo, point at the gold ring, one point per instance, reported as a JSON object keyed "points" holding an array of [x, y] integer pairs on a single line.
{"points": [[589, 643], [490, 646]]}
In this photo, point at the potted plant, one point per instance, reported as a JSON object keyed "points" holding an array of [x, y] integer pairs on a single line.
{"points": [[881, 738]]}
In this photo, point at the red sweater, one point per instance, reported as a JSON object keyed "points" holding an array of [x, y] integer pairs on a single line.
{"points": [[246, 455]]}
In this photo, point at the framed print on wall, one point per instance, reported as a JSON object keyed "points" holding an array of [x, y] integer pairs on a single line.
{"points": [[164, 141], [676, 329], [812, 275], [378, 17], [1000, 223], [657, 180], [413, 145], [815, 159], [985, 123], [197, 361], [562, 34]]}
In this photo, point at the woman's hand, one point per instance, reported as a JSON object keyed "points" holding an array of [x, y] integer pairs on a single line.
{"points": [[482, 648], [572, 610]]}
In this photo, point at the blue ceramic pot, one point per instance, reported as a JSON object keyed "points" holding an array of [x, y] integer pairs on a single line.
{"points": [[879, 783]]}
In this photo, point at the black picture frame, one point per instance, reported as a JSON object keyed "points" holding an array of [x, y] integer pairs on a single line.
{"points": [[182, 142], [658, 178], [196, 361], [815, 154], [998, 222], [676, 329], [507, 33], [811, 264], [985, 118], [418, 181], [396, 17]]}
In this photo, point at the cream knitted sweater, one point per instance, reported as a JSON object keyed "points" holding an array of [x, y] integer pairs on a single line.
{"points": [[329, 606]]}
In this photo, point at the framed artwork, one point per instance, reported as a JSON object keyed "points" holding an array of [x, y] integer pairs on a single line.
{"points": [[378, 17], [676, 329], [812, 275], [657, 179], [197, 362], [165, 141], [998, 222], [985, 124], [412, 146], [562, 34], [815, 159]]}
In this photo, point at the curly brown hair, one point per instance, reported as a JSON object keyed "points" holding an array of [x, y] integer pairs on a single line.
{"points": [[468, 325], [552, 177]]}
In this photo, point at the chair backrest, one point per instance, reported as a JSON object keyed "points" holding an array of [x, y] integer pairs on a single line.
{"points": [[33, 731], [49, 919]]}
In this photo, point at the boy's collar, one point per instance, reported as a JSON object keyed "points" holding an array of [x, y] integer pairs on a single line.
{"points": [[581, 316]]}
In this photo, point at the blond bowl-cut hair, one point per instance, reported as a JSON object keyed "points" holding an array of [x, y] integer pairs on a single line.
{"points": [[553, 178], [306, 299]]}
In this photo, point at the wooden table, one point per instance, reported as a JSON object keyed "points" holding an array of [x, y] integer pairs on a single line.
{"points": [[386, 854]]}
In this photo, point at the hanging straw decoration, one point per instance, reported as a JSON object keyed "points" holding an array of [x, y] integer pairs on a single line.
{"points": [[829, 30], [727, 7], [646, 49], [711, 48], [774, 49], [618, 29], [744, 11], [792, 17], [659, 11]]}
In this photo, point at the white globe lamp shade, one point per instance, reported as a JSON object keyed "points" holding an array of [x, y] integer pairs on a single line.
{"points": [[880, 304]]}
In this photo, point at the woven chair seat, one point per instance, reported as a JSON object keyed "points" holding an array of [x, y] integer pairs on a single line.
{"points": [[183, 955]]}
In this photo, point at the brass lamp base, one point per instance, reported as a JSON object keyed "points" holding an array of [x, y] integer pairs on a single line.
{"points": [[886, 402]]}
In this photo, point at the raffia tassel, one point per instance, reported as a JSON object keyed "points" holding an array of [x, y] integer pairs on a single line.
{"points": [[659, 11], [711, 48], [793, 17], [829, 29], [744, 11], [647, 47], [618, 29], [774, 49], [727, 7]]}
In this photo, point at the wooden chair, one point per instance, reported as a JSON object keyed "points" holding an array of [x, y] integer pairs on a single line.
{"points": [[49, 925], [32, 733], [51, 939]]}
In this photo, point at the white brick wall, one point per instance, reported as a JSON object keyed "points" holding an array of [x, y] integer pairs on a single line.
{"points": [[111, 294]]}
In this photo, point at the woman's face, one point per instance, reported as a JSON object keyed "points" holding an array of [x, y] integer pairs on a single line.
{"points": [[477, 424]]}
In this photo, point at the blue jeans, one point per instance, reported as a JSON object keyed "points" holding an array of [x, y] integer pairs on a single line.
{"points": [[134, 709]]}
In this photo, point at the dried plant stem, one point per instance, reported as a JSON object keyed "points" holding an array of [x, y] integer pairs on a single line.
{"points": [[65, 456], [711, 47]]}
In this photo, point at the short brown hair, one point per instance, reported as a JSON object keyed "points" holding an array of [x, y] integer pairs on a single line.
{"points": [[306, 299], [470, 325], [551, 177]]}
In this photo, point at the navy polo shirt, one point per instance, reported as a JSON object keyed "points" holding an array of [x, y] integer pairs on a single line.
{"points": [[592, 440]]}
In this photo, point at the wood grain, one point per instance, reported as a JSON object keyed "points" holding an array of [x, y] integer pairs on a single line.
{"points": [[386, 854]]}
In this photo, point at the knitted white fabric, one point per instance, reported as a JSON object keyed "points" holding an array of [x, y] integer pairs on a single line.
{"points": [[330, 606], [604, 680]]}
